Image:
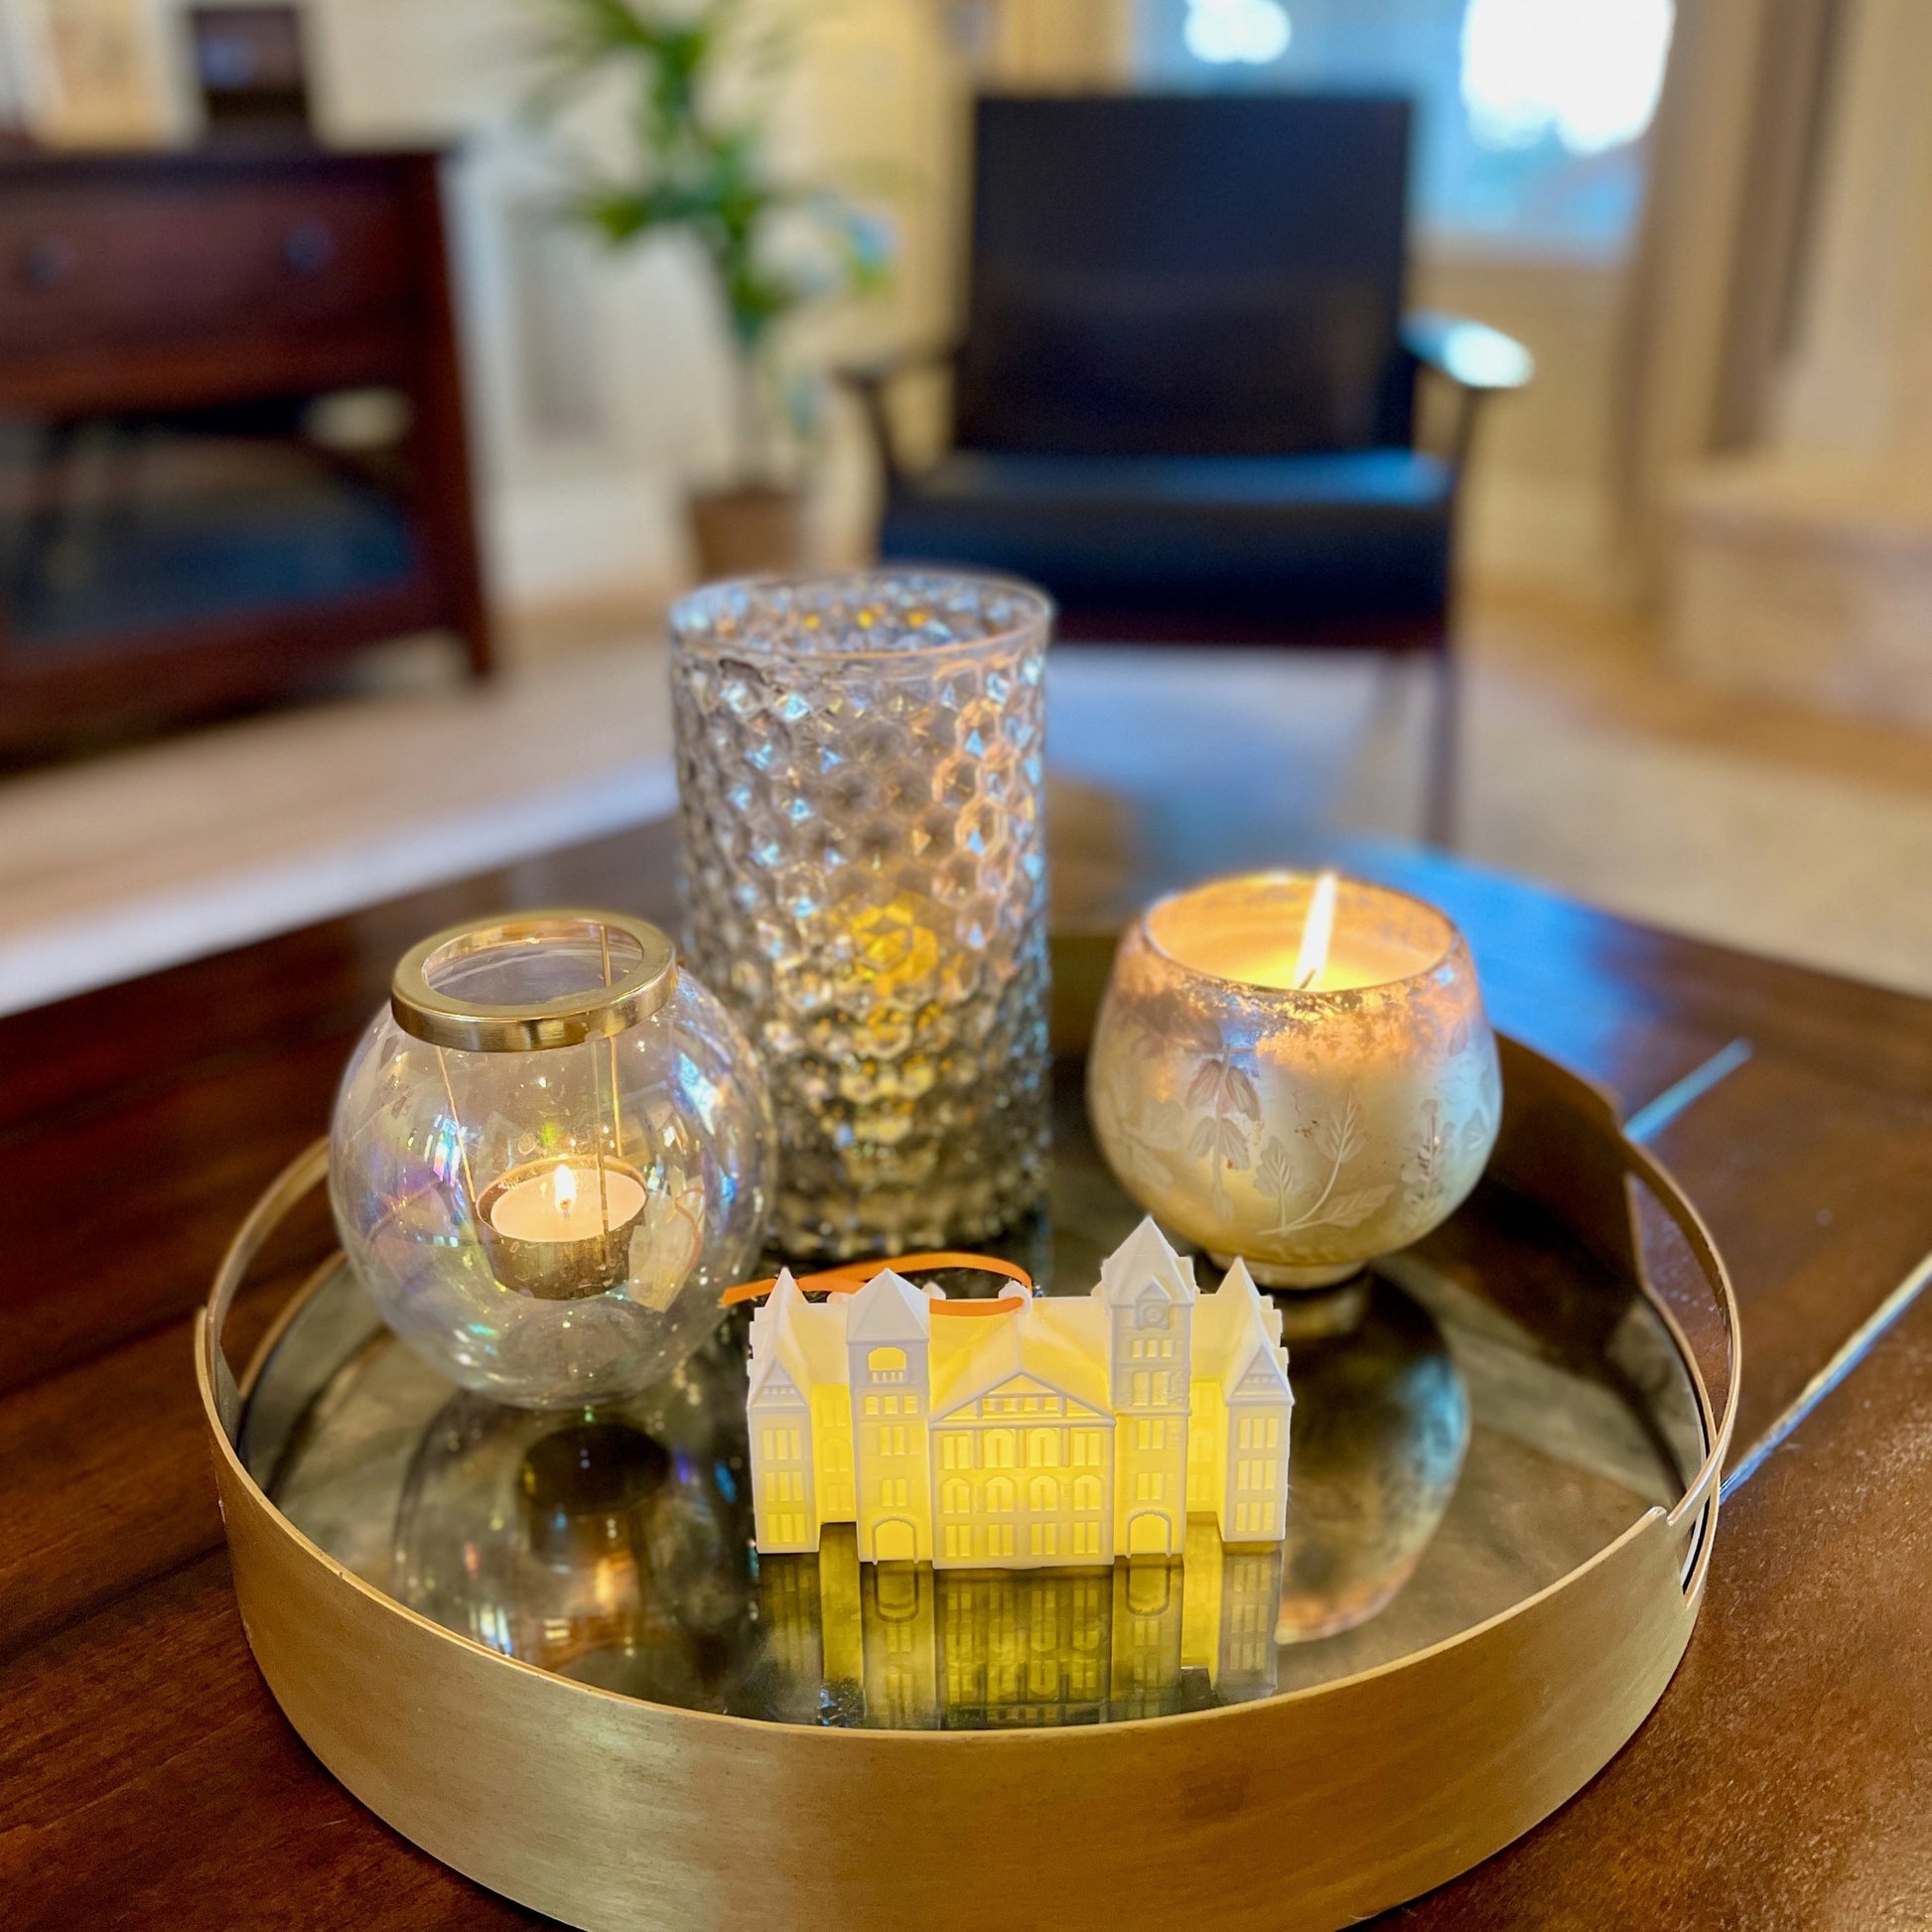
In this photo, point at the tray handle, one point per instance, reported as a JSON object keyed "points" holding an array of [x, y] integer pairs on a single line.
{"points": [[1702, 1493], [1563, 1143], [296, 1180]]}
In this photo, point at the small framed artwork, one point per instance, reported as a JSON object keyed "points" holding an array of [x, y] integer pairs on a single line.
{"points": [[250, 65], [95, 73]]}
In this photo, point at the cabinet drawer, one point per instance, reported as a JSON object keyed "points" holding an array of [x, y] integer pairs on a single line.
{"points": [[124, 259]]}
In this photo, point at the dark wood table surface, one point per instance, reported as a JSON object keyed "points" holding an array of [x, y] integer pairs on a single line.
{"points": [[147, 1778]]}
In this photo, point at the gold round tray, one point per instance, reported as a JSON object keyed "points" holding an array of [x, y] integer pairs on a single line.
{"points": [[1504, 1499]]}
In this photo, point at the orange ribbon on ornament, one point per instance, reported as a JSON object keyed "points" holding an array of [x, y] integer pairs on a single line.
{"points": [[849, 1279]]}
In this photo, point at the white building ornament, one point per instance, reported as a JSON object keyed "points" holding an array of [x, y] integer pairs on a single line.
{"points": [[1066, 1430]]}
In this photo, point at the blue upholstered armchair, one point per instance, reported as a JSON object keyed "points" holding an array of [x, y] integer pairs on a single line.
{"points": [[1184, 398]]}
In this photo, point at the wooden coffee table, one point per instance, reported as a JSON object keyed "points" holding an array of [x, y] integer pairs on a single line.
{"points": [[147, 1777]]}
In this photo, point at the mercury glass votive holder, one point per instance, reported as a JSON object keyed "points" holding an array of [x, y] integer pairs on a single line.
{"points": [[1306, 1117], [860, 778]]}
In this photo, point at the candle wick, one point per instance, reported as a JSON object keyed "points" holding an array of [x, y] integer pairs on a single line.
{"points": [[1318, 932]]}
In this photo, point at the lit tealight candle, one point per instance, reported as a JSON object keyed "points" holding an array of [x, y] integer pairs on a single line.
{"points": [[1295, 1071], [1252, 947], [561, 1229]]}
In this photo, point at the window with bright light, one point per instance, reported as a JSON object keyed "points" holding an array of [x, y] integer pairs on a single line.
{"points": [[1530, 113], [1584, 73], [1248, 31]]}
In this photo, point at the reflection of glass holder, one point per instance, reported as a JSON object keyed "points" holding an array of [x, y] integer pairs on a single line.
{"points": [[1504, 1504]]}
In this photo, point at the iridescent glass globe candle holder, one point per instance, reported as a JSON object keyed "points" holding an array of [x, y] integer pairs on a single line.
{"points": [[860, 770], [550, 1153], [1295, 1071]]}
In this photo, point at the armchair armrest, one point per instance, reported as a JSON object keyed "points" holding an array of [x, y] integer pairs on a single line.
{"points": [[893, 363], [1481, 361], [868, 381], [1470, 354]]}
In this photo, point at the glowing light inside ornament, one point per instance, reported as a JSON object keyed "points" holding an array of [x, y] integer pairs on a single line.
{"points": [[1052, 1430]]}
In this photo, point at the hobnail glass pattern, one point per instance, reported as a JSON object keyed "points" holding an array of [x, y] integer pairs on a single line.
{"points": [[860, 776]]}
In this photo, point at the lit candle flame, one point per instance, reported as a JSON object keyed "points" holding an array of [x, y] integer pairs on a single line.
{"points": [[563, 1188], [1318, 930]]}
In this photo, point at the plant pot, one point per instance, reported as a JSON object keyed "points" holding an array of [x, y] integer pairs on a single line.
{"points": [[747, 531]]}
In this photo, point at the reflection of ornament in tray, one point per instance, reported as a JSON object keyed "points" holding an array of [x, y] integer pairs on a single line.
{"points": [[907, 1648], [1055, 1430]]}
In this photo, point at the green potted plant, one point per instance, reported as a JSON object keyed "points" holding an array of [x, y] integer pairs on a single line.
{"points": [[697, 79]]}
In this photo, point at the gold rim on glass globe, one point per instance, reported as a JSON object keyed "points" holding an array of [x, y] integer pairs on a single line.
{"points": [[529, 1026]]}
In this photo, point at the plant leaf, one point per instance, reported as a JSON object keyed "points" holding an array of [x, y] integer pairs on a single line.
{"points": [[1206, 1077], [1201, 1143]]}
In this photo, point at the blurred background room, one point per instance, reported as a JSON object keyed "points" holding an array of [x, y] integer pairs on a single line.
{"points": [[373, 373]]}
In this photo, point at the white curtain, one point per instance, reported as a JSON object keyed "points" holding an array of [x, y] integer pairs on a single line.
{"points": [[1719, 272]]}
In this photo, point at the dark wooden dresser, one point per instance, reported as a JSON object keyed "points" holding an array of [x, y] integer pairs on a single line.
{"points": [[180, 528]]}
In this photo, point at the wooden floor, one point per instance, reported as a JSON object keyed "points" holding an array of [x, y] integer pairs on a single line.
{"points": [[1607, 668]]}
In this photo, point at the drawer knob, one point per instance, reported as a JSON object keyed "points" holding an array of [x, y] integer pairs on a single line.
{"points": [[309, 247], [47, 260]]}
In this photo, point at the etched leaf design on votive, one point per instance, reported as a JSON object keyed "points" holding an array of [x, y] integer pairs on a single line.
{"points": [[1278, 1175], [1351, 1210], [1338, 1138], [1422, 1166], [1225, 1087], [1241, 1090], [1220, 1137]]}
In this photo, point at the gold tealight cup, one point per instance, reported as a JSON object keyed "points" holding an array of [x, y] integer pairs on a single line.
{"points": [[560, 1229], [1296, 1069]]}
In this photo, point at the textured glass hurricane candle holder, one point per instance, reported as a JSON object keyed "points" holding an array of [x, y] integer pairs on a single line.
{"points": [[550, 1153], [860, 767], [1305, 1128]]}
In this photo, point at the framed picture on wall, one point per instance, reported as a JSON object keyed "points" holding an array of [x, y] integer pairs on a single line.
{"points": [[251, 66], [95, 73]]}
